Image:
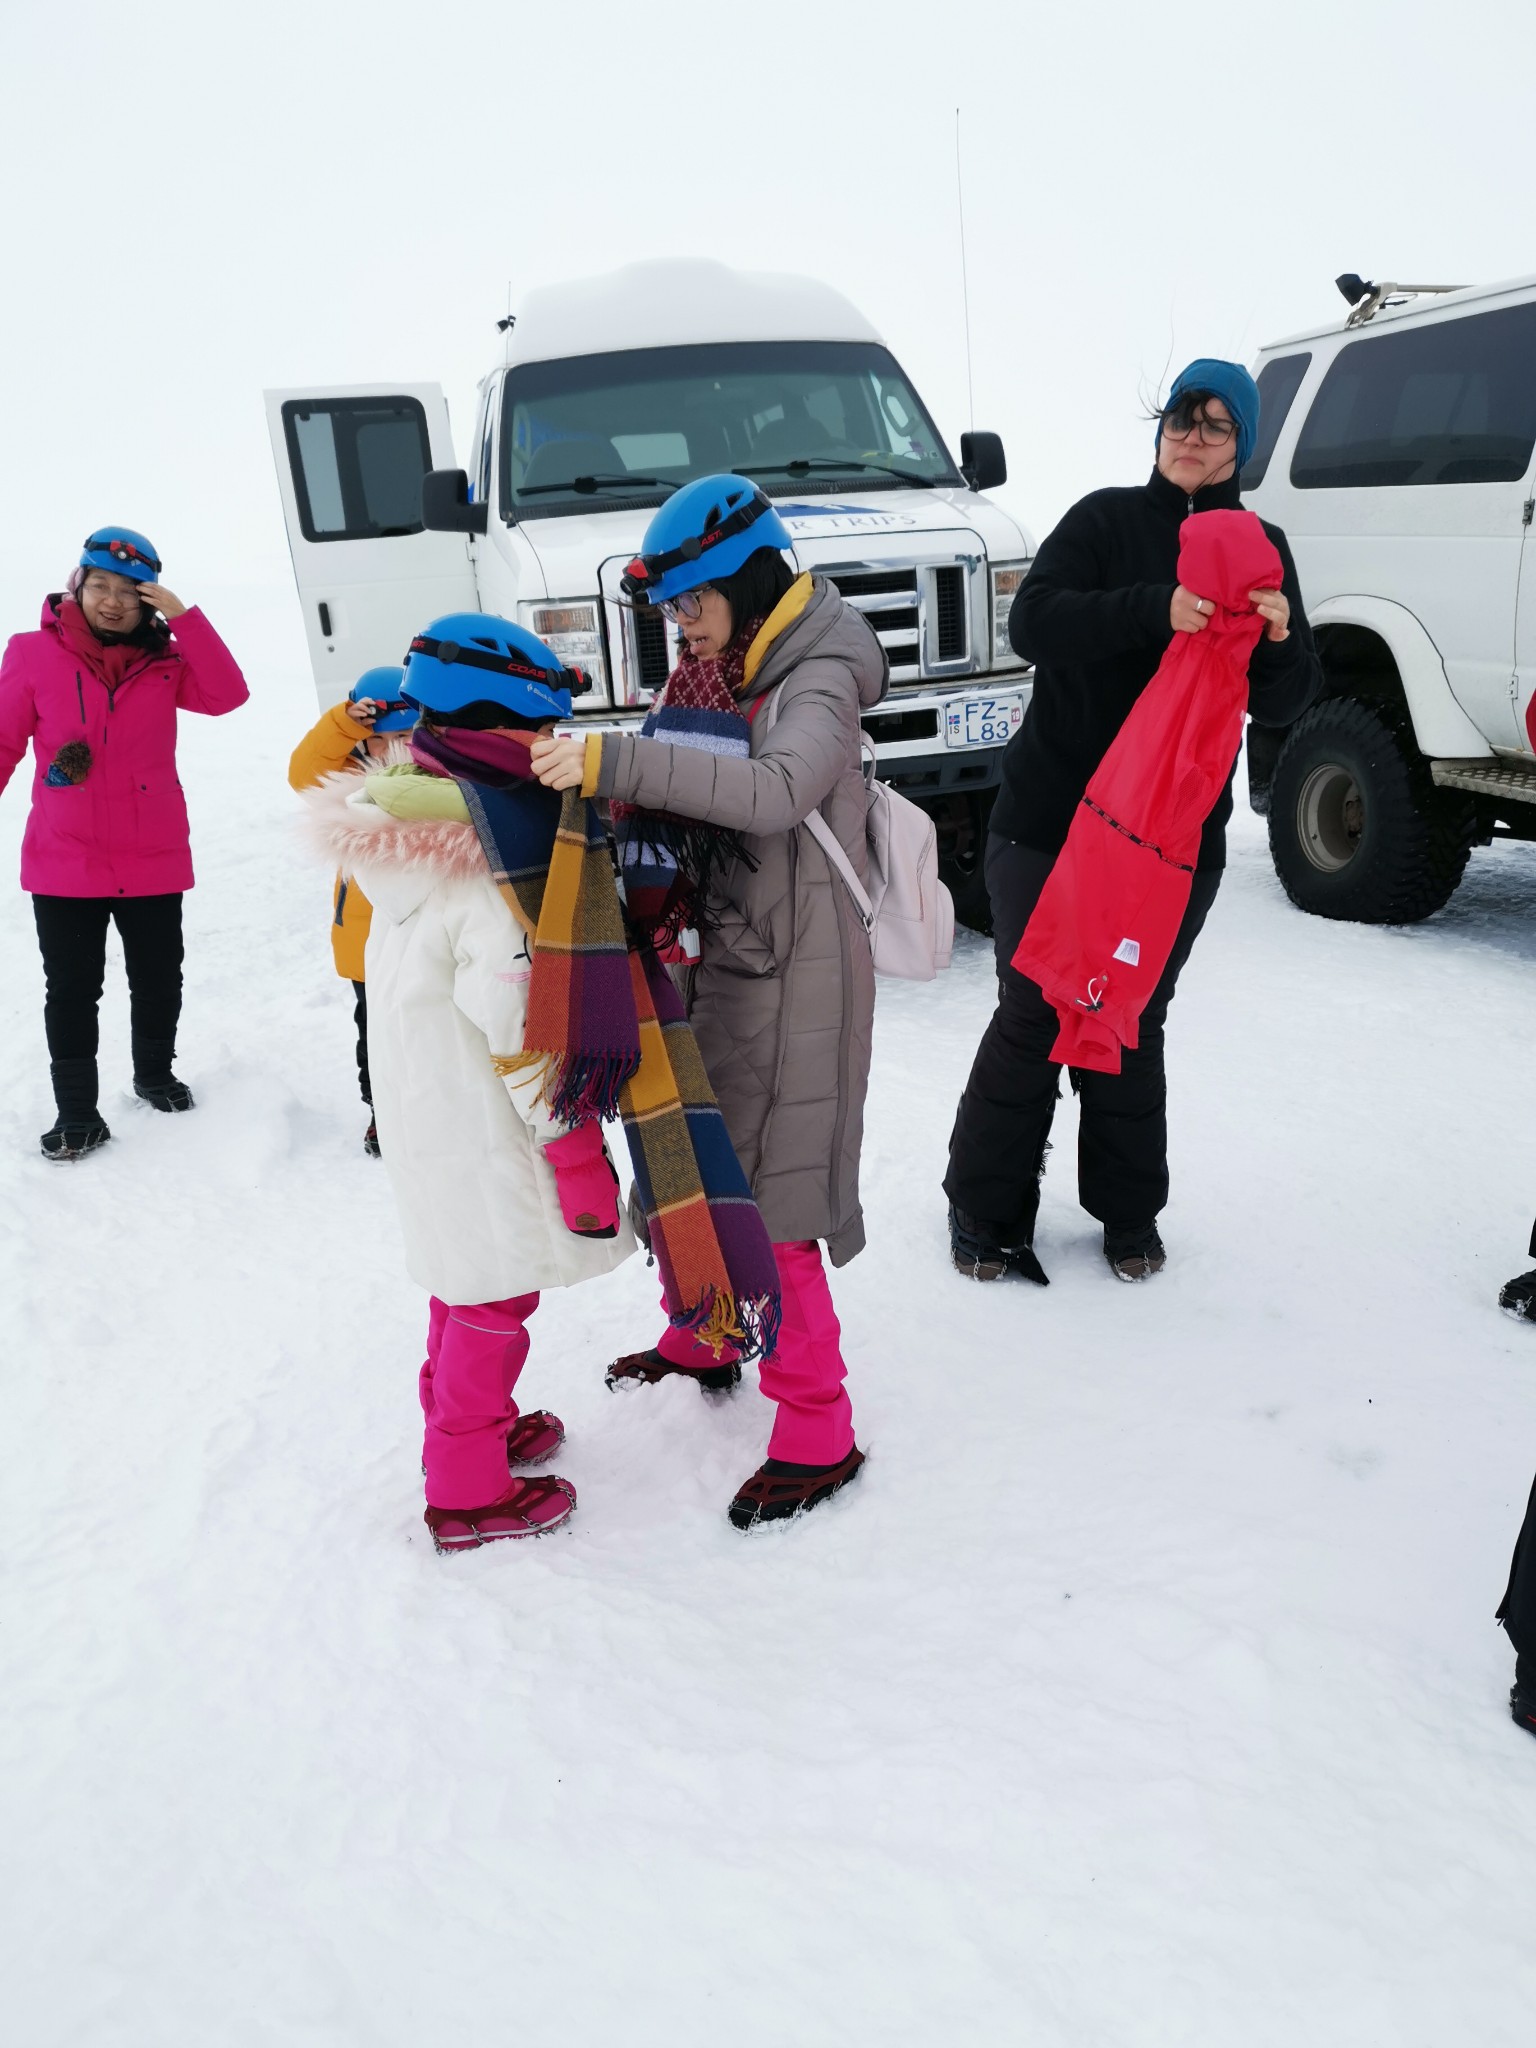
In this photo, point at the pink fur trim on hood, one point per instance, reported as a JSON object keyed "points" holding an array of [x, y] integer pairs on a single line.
{"points": [[353, 835]]}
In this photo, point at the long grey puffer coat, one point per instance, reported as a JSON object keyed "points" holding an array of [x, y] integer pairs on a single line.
{"points": [[782, 1001]]}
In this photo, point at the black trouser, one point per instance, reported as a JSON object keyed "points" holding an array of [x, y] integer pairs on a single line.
{"points": [[998, 1146], [72, 931], [1517, 1611], [360, 1014]]}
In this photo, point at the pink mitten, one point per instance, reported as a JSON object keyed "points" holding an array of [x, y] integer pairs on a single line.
{"points": [[585, 1181]]}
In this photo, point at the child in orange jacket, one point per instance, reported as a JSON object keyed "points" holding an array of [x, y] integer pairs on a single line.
{"points": [[351, 737]]}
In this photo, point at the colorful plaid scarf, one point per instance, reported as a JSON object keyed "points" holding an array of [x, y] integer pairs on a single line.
{"points": [[608, 1028], [668, 862]]}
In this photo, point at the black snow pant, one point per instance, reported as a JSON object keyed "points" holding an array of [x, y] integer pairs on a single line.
{"points": [[360, 1016], [997, 1149], [72, 932], [1517, 1610]]}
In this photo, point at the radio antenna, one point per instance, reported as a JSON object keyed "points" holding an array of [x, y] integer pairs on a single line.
{"points": [[965, 288]]}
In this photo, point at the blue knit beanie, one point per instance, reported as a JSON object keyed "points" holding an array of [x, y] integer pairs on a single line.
{"points": [[1229, 382]]}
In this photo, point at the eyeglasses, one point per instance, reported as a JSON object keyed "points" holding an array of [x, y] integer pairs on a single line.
{"points": [[688, 604], [1181, 420]]}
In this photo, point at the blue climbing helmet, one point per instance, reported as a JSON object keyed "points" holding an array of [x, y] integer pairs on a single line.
{"points": [[705, 530], [122, 552], [475, 658], [384, 685]]}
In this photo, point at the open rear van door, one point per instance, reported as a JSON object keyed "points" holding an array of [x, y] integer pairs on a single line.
{"points": [[349, 467]]}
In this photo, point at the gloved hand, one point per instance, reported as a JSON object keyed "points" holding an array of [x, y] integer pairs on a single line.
{"points": [[585, 1181]]}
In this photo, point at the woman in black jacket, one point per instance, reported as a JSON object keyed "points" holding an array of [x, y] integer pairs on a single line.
{"points": [[1095, 615]]}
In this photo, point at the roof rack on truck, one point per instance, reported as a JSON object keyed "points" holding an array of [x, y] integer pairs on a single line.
{"points": [[1366, 299]]}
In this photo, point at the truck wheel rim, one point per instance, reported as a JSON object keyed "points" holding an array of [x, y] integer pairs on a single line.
{"points": [[1329, 815]]}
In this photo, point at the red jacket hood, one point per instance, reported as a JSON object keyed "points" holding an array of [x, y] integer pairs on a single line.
{"points": [[1226, 553]]}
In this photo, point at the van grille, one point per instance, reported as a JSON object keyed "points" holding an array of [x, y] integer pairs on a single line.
{"points": [[949, 609], [872, 583], [888, 599], [650, 648], [908, 606]]}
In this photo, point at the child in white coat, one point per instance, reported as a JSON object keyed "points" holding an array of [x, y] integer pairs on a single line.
{"points": [[497, 1199]]}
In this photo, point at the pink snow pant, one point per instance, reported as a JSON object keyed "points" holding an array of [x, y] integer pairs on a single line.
{"points": [[474, 1355], [804, 1373]]}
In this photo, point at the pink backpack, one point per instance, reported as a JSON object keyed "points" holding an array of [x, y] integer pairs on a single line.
{"points": [[906, 910]]}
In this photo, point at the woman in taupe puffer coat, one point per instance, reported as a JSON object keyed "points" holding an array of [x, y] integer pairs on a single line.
{"points": [[781, 998]]}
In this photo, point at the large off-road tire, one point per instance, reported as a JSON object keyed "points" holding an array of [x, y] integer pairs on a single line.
{"points": [[1357, 829]]}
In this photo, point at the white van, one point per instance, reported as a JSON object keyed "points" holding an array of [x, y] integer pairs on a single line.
{"points": [[1396, 450], [610, 393]]}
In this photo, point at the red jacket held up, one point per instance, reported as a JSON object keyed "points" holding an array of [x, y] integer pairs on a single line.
{"points": [[1101, 933]]}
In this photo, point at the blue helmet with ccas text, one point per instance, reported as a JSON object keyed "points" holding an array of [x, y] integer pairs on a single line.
{"points": [[705, 530], [383, 686], [121, 551], [475, 658]]}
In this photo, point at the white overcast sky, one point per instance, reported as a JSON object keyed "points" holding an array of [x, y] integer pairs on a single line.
{"points": [[204, 200]]}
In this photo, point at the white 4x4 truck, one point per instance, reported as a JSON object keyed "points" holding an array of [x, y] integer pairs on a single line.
{"points": [[1396, 450], [611, 393]]}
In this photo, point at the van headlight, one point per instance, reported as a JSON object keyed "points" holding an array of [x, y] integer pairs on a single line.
{"points": [[1006, 579], [571, 629]]}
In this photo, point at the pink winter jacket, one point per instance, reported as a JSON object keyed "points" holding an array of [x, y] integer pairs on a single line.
{"points": [[123, 830]]}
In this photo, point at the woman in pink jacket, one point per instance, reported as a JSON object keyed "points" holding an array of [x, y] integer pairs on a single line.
{"points": [[96, 690]]}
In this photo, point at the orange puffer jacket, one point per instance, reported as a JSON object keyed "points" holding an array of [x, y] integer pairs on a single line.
{"points": [[329, 747]]}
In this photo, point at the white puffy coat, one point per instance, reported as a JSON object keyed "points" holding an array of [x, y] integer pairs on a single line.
{"points": [[448, 969]]}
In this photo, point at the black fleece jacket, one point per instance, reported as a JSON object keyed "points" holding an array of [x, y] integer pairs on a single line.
{"points": [[1092, 615]]}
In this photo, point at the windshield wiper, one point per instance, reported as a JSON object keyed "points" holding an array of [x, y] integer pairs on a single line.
{"points": [[804, 464], [590, 486]]}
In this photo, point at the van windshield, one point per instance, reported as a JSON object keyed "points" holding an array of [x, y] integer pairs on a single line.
{"points": [[586, 433]]}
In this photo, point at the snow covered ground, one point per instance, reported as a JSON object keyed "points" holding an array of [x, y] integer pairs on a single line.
{"points": [[1145, 1690]]}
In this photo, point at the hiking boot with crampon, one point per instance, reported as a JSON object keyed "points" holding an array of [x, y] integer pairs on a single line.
{"points": [[777, 1490], [534, 1438], [371, 1139], [79, 1127], [1135, 1254], [980, 1253], [153, 1081], [73, 1140], [645, 1368], [1517, 1298], [530, 1507]]}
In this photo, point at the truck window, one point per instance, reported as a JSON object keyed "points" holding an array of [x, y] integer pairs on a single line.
{"points": [[811, 416], [1450, 402], [1279, 382], [357, 465]]}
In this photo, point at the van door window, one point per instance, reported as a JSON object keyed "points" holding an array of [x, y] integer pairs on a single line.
{"points": [[1279, 381], [1450, 402], [357, 465]]}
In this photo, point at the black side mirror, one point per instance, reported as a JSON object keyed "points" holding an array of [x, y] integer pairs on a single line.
{"points": [[982, 461], [445, 506]]}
